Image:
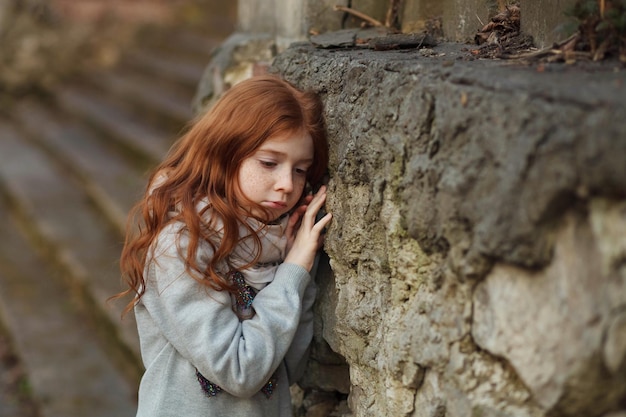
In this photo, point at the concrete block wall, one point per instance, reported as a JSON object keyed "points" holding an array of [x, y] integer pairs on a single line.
{"points": [[287, 20], [415, 14], [462, 18], [292, 21], [255, 16], [373, 8], [544, 20]]}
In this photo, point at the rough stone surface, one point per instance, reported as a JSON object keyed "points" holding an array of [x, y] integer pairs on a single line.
{"points": [[516, 311], [237, 58], [478, 249]]}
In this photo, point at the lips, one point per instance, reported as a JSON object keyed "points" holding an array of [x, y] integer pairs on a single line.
{"points": [[275, 204]]}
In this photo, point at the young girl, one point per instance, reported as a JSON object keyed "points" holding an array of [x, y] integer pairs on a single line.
{"points": [[220, 263]]}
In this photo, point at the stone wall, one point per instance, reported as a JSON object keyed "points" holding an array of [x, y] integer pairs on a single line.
{"points": [[478, 246], [477, 256], [267, 27]]}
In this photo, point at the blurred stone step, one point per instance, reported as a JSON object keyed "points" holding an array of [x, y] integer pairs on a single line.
{"points": [[15, 401], [186, 45], [68, 370], [181, 72], [140, 140], [147, 99], [194, 44], [109, 179], [59, 217]]}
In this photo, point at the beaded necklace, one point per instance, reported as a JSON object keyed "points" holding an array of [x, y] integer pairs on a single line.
{"points": [[243, 307]]}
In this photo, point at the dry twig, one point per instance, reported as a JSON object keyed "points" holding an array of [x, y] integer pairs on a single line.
{"points": [[392, 13], [358, 14]]}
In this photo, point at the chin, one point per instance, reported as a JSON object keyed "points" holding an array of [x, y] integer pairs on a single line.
{"points": [[268, 216]]}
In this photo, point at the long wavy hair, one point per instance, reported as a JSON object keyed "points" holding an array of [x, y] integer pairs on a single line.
{"points": [[203, 165]]}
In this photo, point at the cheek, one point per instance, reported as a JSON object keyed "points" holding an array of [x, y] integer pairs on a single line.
{"points": [[243, 179], [298, 189], [250, 179], [299, 185]]}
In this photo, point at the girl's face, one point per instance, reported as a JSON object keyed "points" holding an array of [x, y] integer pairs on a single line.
{"points": [[275, 175]]}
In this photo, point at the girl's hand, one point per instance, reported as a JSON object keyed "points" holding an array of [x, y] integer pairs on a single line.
{"points": [[305, 238], [294, 221]]}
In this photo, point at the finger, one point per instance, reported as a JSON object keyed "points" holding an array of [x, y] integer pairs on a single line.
{"points": [[320, 241], [322, 190], [322, 223], [300, 210], [309, 218], [318, 194], [296, 217], [314, 207], [293, 221], [318, 201]]}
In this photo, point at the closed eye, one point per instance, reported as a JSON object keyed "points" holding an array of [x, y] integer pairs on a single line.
{"points": [[268, 164]]}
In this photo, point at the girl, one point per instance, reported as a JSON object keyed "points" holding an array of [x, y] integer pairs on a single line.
{"points": [[220, 262]]}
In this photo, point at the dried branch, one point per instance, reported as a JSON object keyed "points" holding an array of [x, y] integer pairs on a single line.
{"points": [[358, 14], [602, 8], [392, 12], [559, 48]]}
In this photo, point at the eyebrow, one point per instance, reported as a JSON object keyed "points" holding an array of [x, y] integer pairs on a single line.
{"points": [[309, 160]]}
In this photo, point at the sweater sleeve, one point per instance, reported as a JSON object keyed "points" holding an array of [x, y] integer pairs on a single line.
{"points": [[298, 353], [239, 356]]}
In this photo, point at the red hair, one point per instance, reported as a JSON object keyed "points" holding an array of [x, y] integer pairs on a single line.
{"points": [[204, 164]]}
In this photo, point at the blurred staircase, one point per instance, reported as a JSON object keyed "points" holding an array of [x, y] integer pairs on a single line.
{"points": [[71, 166]]}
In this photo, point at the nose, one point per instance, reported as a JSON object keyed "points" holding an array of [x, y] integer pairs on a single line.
{"points": [[284, 181]]}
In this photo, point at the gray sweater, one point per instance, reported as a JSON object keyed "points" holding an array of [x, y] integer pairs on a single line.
{"points": [[185, 327]]}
